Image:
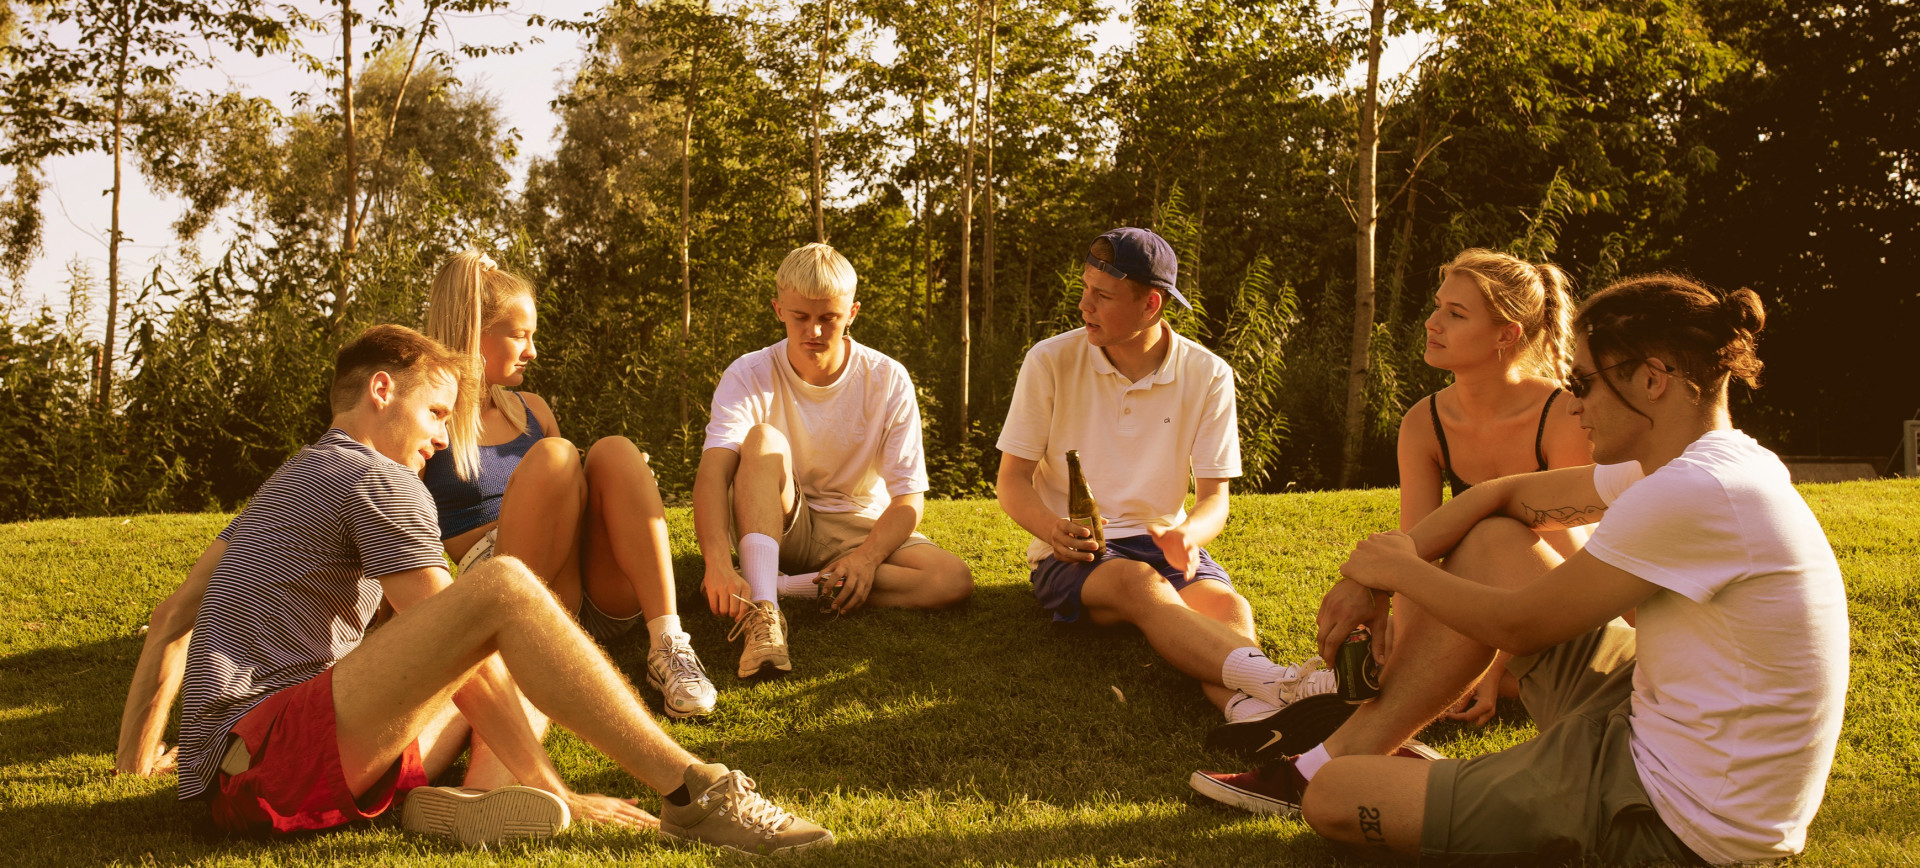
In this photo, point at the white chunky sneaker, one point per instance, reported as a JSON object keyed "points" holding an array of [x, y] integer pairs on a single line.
{"points": [[676, 673]]}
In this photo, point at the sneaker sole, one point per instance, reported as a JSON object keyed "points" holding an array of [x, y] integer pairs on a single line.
{"points": [[1241, 799], [768, 669], [1291, 731], [1417, 749], [667, 707], [483, 819], [824, 842]]}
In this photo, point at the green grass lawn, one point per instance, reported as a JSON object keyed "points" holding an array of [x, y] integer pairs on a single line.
{"points": [[979, 736]]}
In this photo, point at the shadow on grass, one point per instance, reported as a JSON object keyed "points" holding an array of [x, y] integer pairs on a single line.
{"points": [[78, 690]]}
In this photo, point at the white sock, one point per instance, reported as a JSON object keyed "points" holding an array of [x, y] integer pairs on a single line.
{"points": [[1250, 672], [1312, 760], [799, 586], [1243, 707], [658, 628], [760, 562]]}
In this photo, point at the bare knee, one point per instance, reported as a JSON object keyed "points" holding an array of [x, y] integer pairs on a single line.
{"points": [[1123, 589], [616, 453], [764, 439], [1488, 541], [951, 583], [505, 584]]}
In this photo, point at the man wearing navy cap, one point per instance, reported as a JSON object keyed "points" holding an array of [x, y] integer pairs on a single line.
{"points": [[1148, 410]]}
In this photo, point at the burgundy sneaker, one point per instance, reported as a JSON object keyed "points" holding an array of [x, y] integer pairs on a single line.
{"points": [[1273, 789]]}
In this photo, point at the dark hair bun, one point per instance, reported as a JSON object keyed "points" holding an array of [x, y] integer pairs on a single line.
{"points": [[1743, 311]]}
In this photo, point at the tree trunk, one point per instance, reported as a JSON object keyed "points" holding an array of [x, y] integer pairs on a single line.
{"points": [[350, 227], [819, 83], [986, 265], [1365, 220], [966, 227], [1026, 296], [105, 379], [686, 225], [926, 236]]}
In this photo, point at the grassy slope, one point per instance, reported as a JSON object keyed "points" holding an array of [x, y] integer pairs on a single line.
{"points": [[983, 735]]}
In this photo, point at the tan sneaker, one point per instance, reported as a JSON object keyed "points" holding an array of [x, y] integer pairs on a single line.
{"points": [[725, 811], [765, 627], [478, 818]]}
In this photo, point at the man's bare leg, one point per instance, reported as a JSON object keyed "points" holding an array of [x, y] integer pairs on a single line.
{"points": [[1376, 802], [763, 493], [1221, 603], [1124, 591], [540, 516], [627, 566], [921, 577], [1432, 666], [390, 688]]}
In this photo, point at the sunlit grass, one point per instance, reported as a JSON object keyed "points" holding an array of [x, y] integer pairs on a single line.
{"points": [[979, 736]]}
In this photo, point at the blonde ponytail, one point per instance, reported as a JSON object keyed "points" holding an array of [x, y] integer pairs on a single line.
{"points": [[1533, 297], [468, 295]]}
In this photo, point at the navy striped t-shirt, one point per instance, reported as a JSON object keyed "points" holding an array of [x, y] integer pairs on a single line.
{"points": [[297, 586]]}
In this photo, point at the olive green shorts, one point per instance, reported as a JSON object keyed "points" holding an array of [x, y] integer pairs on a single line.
{"points": [[1571, 793]]}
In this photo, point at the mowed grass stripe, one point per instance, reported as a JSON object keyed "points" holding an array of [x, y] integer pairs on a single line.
{"points": [[979, 736]]}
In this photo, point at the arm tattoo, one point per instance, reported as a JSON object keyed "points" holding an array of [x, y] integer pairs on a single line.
{"points": [[1370, 827], [1561, 516]]}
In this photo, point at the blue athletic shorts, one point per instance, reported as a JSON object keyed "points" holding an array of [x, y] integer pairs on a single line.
{"points": [[1056, 583]]}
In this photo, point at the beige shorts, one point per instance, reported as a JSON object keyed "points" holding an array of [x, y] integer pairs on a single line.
{"points": [[813, 539], [1571, 793]]}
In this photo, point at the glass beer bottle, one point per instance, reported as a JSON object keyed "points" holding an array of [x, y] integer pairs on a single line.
{"points": [[1082, 509]]}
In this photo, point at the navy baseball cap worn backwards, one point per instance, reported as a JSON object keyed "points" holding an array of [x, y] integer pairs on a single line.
{"points": [[1142, 257]]}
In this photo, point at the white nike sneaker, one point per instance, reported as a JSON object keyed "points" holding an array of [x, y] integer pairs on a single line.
{"points": [[683, 684]]}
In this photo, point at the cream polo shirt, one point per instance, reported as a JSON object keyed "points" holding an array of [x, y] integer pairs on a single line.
{"points": [[1141, 444], [856, 441]]}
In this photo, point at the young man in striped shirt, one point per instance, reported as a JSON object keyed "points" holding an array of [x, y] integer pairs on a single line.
{"points": [[296, 717]]}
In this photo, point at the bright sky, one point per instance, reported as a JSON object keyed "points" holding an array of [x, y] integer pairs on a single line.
{"points": [[76, 203]]}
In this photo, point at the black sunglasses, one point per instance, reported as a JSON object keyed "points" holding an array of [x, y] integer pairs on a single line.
{"points": [[1578, 385]]}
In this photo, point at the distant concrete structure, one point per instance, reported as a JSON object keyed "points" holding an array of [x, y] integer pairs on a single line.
{"points": [[1815, 468]]}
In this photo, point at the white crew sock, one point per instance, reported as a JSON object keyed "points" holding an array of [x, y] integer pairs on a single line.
{"points": [[799, 586], [1312, 760], [658, 628], [1250, 672], [760, 562], [1243, 707]]}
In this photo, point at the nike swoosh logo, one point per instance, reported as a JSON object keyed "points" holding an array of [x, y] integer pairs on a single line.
{"points": [[1270, 742]]}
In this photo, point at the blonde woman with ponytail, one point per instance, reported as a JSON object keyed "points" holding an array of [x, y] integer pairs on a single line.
{"points": [[510, 485], [1501, 326]]}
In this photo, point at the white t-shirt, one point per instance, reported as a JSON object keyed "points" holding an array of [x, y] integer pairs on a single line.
{"points": [[1742, 674], [856, 441], [1140, 444]]}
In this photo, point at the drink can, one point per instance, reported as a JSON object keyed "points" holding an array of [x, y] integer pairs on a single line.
{"points": [[1355, 670]]}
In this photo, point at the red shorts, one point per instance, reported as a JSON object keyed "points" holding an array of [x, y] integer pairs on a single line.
{"points": [[294, 782]]}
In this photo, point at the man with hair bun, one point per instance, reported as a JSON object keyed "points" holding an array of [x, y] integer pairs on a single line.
{"points": [[813, 466], [296, 716], [1704, 732]]}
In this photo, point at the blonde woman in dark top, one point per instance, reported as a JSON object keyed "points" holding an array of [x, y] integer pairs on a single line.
{"points": [[594, 531]]}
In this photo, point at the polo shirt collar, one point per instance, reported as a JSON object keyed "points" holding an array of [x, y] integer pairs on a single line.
{"points": [[1169, 366]]}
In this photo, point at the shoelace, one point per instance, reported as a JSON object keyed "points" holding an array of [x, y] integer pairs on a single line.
{"points": [[1304, 680], [762, 622], [738, 797], [682, 665]]}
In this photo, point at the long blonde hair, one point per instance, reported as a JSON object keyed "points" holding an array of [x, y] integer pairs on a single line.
{"points": [[1533, 297], [469, 296]]}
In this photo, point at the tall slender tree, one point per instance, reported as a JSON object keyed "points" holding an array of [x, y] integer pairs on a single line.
{"points": [[1366, 218]]}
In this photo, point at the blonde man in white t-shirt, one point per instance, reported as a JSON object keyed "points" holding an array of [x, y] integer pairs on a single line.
{"points": [[1703, 733], [1149, 412], [813, 463]]}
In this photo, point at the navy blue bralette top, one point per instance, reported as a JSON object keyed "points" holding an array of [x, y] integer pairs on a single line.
{"points": [[465, 504]]}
